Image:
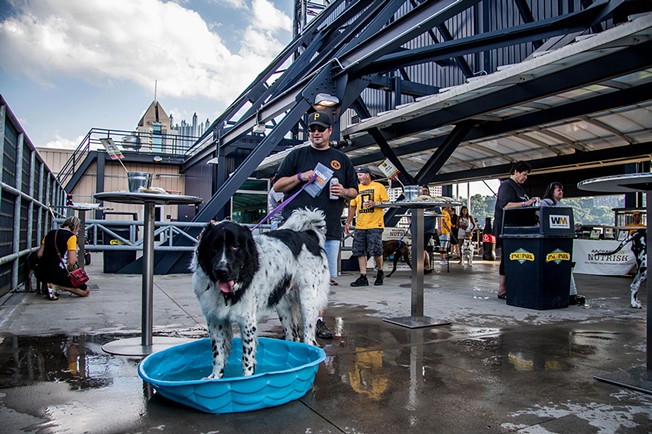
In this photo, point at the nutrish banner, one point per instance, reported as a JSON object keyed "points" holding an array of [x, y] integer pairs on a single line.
{"points": [[586, 254]]}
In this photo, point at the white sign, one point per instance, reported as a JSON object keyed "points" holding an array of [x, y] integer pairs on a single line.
{"points": [[396, 234], [388, 169], [586, 254]]}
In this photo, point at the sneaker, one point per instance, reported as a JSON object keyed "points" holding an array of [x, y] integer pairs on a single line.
{"points": [[577, 299], [379, 278], [52, 294], [572, 300], [361, 281], [322, 331], [443, 262]]}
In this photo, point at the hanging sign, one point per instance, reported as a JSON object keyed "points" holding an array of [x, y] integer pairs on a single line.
{"points": [[388, 169], [111, 148]]}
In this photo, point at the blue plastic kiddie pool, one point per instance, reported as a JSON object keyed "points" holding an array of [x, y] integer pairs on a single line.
{"points": [[285, 371]]}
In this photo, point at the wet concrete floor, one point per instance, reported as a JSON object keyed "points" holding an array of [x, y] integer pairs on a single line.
{"points": [[495, 368]]}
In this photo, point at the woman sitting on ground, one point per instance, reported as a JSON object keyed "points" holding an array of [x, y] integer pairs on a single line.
{"points": [[60, 244]]}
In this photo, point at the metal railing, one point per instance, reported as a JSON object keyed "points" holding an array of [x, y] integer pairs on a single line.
{"points": [[27, 190], [99, 234], [130, 141]]}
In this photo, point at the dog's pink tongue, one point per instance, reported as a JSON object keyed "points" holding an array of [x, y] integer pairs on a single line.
{"points": [[226, 286]]}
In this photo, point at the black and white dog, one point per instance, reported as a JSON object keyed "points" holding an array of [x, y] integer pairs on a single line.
{"points": [[639, 248], [467, 250], [238, 277]]}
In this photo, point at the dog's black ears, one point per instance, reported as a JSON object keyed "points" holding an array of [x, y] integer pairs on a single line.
{"points": [[205, 229]]}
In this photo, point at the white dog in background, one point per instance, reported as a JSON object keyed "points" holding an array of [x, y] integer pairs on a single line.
{"points": [[468, 250]]}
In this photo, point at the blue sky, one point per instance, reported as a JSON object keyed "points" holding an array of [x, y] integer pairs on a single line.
{"points": [[71, 65]]}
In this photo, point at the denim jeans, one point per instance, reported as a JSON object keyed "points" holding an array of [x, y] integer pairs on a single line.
{"points": [[332, 248]]}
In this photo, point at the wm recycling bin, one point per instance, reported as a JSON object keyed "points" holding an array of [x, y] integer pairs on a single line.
{"points": [[538, 245]]}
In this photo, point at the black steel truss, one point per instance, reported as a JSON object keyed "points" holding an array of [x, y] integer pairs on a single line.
{"points": [[346, 50]]}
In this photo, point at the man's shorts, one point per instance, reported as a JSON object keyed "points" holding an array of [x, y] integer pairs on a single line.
{"points": [[368, 241], [444, 240]]}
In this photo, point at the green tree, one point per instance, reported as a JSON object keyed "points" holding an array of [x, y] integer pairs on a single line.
{"points": [[478, 208]]}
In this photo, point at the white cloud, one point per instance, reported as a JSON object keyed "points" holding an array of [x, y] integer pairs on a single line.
{"points": [[238, 4], [63, 143], [258, 37], [268, 18], [106, 43]]}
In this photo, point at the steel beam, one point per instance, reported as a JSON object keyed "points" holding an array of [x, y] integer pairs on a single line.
{"points": [[405, 177], [426, 16], [490, 129], [627, 60], [538, 30], [642, 151], [440, 156]]}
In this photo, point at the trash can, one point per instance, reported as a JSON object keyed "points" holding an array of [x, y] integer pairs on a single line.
{"points": [[115, 260], [538, 245]]}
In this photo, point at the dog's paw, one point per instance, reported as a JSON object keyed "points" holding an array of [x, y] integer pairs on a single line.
{"points": [[213, 376], [637, 304]]}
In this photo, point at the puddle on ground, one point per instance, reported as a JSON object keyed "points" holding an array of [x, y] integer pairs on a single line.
{"points": [[76, 360], [57, 378]]}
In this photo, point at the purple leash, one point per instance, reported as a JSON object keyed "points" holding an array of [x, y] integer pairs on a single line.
{"points": [[284, 203]]}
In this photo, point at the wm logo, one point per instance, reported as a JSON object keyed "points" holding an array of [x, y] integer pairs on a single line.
{"points": [[559, 221]]}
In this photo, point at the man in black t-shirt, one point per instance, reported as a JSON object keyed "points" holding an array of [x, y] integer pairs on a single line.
{"points": [[298, 168], [510, 195]]}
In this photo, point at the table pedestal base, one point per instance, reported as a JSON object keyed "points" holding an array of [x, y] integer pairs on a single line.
{"points": [[135, 347], [415, 322], [633, 378]]}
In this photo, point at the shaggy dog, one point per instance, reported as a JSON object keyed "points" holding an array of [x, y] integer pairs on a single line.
{"points": [[238, 277], [639, 248], [399, 249], [468, 248]]}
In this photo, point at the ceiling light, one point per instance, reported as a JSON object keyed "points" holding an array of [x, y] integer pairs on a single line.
{"points": [[326, 100]]}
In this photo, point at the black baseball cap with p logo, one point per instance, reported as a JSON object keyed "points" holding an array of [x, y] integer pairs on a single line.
{"points": [[320, 118]]}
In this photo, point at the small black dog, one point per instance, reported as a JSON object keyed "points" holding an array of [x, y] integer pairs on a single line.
{"points": [[399, 249], [32, 270]]}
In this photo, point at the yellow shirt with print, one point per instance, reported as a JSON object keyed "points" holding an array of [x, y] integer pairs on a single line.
{"points": [[372, 218], [446, 223], [636, 225]]}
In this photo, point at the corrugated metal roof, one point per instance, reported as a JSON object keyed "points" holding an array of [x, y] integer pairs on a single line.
{"points": [[618, 126]]}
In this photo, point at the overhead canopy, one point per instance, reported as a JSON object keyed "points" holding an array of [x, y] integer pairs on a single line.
{"points": [[585, 104]]}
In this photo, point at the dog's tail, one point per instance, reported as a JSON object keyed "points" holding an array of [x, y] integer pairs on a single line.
{"points": [[305, 219], [622, 244]]}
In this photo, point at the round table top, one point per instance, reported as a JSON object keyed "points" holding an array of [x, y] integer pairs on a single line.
{"points": [[136, 198], [626, 183], [88, 207], [79, 206]]}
